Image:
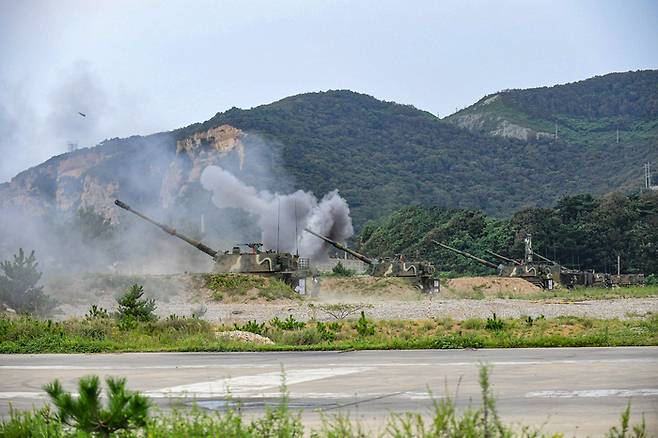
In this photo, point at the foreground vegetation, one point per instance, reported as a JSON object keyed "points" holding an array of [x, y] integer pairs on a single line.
{"points": [[128, 414], [101, 333]]}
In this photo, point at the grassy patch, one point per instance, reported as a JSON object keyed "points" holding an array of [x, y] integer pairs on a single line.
{"points": [[247, 286], [28, 335], [593, 293]]}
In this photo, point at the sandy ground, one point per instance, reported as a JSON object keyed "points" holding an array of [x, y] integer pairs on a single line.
{"points": [[382, 298]]}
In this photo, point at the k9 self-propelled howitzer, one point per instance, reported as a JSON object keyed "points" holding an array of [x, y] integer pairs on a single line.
{"points": [[421, 273], [288, 267], [539, 274]]}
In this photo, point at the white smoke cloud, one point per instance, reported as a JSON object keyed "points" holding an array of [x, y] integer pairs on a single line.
{"points": [[283, 217]]}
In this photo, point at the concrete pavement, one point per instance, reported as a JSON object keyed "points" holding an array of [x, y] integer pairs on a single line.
{"points": [[579, 391]]}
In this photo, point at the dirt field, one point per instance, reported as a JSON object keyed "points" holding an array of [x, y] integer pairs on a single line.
{"points": [[382, 298]]}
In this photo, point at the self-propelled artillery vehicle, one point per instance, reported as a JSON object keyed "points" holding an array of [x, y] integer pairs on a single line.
{"points": [[423, 274], [288, 267], [546, 273]]}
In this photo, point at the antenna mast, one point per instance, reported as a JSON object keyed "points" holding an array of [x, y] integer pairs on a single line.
{"points": [[278, 219], [296, 235]]}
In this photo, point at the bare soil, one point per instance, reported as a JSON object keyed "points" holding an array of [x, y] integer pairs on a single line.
{"points": [[390, 299]]}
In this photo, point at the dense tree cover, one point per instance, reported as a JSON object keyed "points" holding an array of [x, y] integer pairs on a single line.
{"points": [[629, 96], [579, 231], [382, 156]]}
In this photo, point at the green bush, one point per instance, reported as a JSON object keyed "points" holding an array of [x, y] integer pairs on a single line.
{"points": [[364, 327], [251, 326], [132, 306], [325, 331], [494, 323], [125, 409], [18, 286], [341, 271], [290, 323], [96, 312]]}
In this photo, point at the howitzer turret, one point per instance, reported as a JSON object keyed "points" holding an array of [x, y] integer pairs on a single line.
{"points": [[169, 230], [468, 255], [421, 272]]}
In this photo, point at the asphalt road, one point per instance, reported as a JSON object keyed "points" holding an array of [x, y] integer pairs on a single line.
{"points": [[577, 391]]}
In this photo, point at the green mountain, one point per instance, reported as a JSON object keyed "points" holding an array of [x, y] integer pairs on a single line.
{"points": [[588, 112], [380, 155]]}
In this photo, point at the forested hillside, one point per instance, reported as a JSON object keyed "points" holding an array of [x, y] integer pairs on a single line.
{"points": [[578, 231], [589, 112], [383, 155]]}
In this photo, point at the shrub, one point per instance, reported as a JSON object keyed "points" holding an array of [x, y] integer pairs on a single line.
{"points": [[340, 310], [341, 271], [326, 334], [364, 327], [651, 280], [290, 323], [18, 286], [125, 409], [251, 326], [96, 312], [494, 323], [131, 305]]}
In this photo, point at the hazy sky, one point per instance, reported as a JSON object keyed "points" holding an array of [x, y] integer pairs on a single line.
{"points": [[136, 67]]}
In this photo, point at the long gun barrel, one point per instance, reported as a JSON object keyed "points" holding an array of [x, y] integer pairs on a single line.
{"points": [[501, 257], [195, 243], [341, 247], [546, 259], [466, 254]]}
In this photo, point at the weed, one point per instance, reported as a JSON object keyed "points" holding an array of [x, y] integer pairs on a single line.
{"points": [[251, 326], [326, 334], [494, 323], [96, 312], [472, 324], [364, 327]]}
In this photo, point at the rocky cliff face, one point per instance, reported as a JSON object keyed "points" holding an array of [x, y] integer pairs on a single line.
{"points": [[154, 169], [490, 116]]}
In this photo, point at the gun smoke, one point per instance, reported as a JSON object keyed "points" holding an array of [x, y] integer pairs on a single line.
{"points": [[282, 217]]}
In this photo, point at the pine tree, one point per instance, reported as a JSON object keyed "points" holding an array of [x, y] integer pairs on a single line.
{"points": [[18, 286]]}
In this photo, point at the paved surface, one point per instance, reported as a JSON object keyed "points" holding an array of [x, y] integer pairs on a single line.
{"points": [[578, 391]]}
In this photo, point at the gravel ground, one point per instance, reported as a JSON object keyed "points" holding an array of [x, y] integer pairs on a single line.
{"points": [[458, 309]]}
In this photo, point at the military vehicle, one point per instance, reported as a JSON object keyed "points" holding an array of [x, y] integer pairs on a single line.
{"points": [[289, 267], [540, 274], [422, 273], [547, 273]]}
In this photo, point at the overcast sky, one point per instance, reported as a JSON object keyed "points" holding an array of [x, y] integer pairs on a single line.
{"points": [[136, 67]]}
